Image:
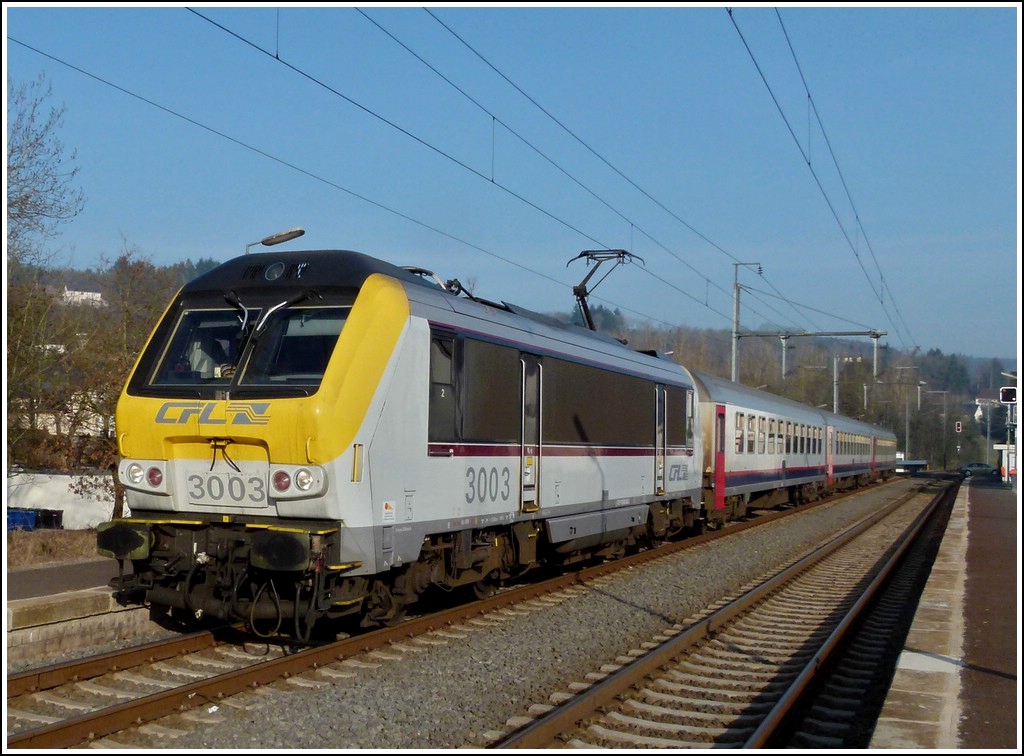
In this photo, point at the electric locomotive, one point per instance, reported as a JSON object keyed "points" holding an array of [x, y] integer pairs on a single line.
{"points": [[319, 435]]}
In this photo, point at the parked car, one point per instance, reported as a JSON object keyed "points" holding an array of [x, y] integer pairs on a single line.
{"points": [[978, 468]]}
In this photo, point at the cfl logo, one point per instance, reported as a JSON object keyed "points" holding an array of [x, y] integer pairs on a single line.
{"points": [[678, 472], [236, 413]]}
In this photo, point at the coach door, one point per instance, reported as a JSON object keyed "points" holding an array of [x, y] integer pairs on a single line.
{"points": [[830, 442], [719, 478], [530, 451]]}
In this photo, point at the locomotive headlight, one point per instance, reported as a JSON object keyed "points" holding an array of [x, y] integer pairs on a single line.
{"points": [[289, 482], [303, 479], [146, 475], [134, 472]]}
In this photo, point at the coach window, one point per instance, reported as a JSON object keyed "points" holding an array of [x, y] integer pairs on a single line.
{"points": [[761, 432], [789, 437], [771, 435], [751, 424], [740, 423]]}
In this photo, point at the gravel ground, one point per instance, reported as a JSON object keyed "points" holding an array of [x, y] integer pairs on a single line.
{"points": [[453, 695]]}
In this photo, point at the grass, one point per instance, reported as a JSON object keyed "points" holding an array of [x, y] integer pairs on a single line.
{"points": [[26, 548]]}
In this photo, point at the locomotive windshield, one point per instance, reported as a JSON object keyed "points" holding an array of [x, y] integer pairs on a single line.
{"points": [[208, 347]]}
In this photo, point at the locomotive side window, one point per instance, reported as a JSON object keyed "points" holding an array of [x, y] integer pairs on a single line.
{"points": [[586, 405], [490, 383], [680, 416], [442, 389]]}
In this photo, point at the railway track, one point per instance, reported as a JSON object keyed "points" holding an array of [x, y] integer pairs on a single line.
{"points": [[751, 673], [86, 701]]}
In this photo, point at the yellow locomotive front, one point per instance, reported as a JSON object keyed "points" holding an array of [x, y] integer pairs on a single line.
{"points": [[238, 433]]}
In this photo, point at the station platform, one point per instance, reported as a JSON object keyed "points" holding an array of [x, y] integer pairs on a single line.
{"points": [[957, 683]]}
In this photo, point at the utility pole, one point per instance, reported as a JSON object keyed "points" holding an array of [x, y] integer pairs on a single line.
{"points": [[906, 436], [944, 393], [736, 313]]}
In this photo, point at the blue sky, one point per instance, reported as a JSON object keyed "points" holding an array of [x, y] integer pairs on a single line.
{"points": [[867, 158]]}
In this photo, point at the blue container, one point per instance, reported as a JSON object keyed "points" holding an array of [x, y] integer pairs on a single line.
{"points": [[21, 519]]}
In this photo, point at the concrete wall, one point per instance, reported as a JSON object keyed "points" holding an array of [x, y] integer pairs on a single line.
{"points": [[42, 491]]}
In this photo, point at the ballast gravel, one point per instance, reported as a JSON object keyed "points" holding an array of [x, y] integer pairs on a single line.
{"points": [[461, 693]]}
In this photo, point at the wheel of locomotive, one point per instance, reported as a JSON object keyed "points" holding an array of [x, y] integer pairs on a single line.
{"points": [[485, 588], [382, 608]]}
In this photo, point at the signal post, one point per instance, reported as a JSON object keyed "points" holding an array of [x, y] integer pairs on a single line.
{"points": [[1008, 469]]}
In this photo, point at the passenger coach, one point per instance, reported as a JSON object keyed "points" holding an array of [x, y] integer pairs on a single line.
{"points": [[762, 450]]}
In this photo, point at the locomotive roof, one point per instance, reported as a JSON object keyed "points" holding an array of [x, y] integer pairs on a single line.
{"points": [[263, 272], [325, 267]]}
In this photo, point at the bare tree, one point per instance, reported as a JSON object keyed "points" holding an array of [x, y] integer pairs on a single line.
{"points": [[135, 294], [40, 196], [40, 172]]}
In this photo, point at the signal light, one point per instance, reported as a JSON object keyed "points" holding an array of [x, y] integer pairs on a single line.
{"points": [[1008, 394], [958, 426]]}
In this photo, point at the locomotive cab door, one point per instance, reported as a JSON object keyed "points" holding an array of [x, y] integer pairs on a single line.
{"points": [[659, 441], [530, 449]]}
